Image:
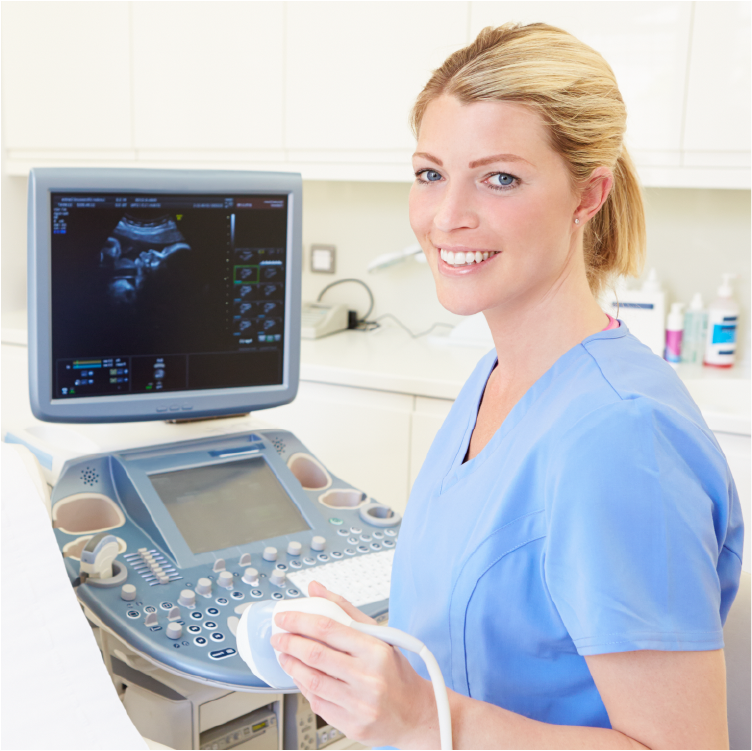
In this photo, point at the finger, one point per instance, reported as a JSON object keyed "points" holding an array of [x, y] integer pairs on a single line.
{"points": [[329, 632], [314, 683], [316, 589], [315, 655]]}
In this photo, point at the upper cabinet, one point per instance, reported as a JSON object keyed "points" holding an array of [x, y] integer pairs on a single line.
{"points": [[326, 88], [66, 81]]}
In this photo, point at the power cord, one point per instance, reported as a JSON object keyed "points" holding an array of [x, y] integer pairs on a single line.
{"points": [[355, 281], [402, 325]]}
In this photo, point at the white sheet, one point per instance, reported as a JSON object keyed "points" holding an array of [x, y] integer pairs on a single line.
{"points": [[56, 690]]}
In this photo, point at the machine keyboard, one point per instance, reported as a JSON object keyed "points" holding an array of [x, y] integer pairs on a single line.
{"points": [[360, 580]]}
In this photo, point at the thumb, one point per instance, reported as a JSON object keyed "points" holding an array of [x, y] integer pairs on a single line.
{"points": [[315, 589]]}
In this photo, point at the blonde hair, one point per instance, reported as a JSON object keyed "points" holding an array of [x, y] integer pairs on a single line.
{"points": [[574, 90]]}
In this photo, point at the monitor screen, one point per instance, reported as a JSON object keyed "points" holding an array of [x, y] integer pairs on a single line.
{"points": [[163, 291], [224, 505]]}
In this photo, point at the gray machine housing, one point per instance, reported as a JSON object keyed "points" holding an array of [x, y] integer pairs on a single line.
{"points": [[114, 494], [134, 407]]}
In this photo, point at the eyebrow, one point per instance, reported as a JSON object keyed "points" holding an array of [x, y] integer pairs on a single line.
{"points": [[478, 162]]}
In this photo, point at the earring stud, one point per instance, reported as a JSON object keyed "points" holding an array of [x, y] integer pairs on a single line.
{"points": [[577, 221]]}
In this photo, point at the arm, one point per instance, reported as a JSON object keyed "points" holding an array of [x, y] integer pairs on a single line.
{"points": [[370, 692]]}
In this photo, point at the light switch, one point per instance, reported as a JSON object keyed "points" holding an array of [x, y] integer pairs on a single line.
{"points": [[323, 258]]}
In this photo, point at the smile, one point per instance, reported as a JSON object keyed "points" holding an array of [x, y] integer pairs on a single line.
{"points": [[466, 258]]}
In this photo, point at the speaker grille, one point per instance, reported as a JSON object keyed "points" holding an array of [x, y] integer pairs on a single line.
{"points": [[89, 476]]}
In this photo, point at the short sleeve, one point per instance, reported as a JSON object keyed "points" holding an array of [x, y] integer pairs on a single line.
{"points": [[639, 504]]}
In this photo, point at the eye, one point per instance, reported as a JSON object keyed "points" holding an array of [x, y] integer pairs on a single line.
{"points": [[428, 176], [501, 180]]}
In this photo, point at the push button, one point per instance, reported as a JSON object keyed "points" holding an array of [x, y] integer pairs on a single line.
{"points": [[197, 616], [133, 614], [200, 641], [220, 654], [210, 625], [212, 611], [217, 636], [194, 629]]}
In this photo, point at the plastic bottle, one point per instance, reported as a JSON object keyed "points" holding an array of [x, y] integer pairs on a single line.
{"points": [[723, 313], [674, 333], [695, 331]]}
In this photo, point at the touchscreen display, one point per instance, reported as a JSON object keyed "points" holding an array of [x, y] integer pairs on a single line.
{"points": [[223, 505]]}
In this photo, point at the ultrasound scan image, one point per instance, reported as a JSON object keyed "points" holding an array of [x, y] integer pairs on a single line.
{"points": [[137, 251]]}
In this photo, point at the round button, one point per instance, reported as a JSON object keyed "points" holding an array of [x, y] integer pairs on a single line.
{"points": [[278, 578], [226, 580], [390, 532], [293, 593], [199, 641], [281, 567], [342, 531], [256, 593], [336, 554], [194, 629], [277, 596], [375, 546], [323, 557], [378, 535], [349, 551], [210, 625], [250, 576], [308, 561], [174, 630], [365, 538], [217, 636], [296, 564], [237, 595], [318, 542], [362, 548], [166, 605], [270, 554], [127, 592], [203, 587], [150, 609], [212, 611], [352, 540], [334, 520], [388, 543], [197, 616], [222, 601], [187, 598], [294, 548], [356, 531], [133, 614]]}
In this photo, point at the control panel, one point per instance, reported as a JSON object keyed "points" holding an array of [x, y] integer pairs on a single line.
{"points": [[171, 543]]}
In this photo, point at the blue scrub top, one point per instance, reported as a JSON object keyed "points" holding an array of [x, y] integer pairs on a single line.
{"points": [[601, 517]]}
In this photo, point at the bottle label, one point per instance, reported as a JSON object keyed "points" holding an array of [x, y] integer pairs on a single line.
{"points": [[724, 333]]}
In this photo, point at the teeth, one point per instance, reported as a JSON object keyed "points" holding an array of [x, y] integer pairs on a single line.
{"points": [[461, 258]]}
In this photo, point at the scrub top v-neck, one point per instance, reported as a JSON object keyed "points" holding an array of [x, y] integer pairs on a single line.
{"points": [[600, 517]]}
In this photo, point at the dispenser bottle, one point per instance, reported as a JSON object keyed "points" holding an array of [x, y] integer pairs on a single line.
{"points": [[674, 334], [723, 313], [695, 331]]}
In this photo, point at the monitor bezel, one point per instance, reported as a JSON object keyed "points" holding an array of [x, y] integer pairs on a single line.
{"points": [[168, 405]]}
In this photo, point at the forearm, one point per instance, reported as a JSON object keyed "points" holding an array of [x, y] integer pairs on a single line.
{"points": [[477, 724]]}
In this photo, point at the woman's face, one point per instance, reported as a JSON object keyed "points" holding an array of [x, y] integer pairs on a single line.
{"points": [[488, 183]]}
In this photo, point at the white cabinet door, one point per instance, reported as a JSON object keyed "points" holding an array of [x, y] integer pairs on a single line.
{"points": [[208, 75], [362, 436], [738, 450], [66, 76], [428, 417], [355, 69], [645, 43], [718, 95]]}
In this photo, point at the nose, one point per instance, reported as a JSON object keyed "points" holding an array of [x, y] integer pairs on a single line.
{"points": [[456, 210]]}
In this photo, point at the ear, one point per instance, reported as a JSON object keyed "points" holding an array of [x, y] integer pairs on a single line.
{"points": [[594, 193]]}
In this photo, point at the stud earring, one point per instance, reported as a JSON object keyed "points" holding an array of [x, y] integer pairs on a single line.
{"points": [[577, 221]]}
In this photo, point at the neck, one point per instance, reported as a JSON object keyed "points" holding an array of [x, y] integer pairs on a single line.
{"points": [[530, 337]]}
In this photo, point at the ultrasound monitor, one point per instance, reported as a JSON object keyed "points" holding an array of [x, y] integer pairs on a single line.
{"points": [[162, 294]]}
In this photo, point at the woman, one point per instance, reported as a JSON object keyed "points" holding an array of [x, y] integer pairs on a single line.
{"points": [[572, 544]]}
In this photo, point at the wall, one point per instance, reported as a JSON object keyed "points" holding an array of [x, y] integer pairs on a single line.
{"points": [[693, 236]]}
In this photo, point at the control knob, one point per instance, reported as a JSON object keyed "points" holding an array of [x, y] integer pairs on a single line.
{"points": [[174, 630], [127, 592], [219, 565], [270, 554], [318, 543], [250, 576], [203, 586], [294, 548], [278, 577], [187, 598], [225, 580], [245, 560]]}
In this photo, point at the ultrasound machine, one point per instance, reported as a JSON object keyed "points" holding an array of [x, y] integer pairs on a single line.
{"points": [[159, 302]]}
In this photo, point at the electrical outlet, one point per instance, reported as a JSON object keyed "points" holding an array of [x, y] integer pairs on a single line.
{"points": [[323, 259]]}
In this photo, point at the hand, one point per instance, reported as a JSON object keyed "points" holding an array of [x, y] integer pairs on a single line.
{"points": [[357, 683]]}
